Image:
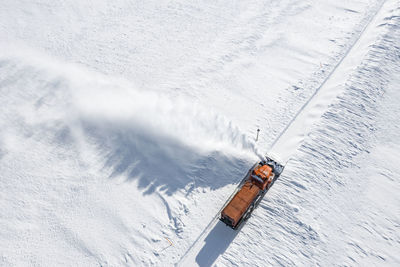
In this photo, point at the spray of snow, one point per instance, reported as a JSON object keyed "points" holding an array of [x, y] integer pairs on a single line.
{"points": [[161, 115], [106, 101]]}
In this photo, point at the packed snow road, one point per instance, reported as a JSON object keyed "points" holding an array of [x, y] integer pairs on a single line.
{"points": [[125, 126]]}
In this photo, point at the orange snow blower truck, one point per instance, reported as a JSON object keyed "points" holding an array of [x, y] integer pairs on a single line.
{"points": [[250, 192]]}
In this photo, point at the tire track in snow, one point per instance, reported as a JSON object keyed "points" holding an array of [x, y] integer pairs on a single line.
{"points": [[194, 249]]}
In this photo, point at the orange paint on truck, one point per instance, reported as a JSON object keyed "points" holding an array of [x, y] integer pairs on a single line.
{"points": [[240, 202], [259, 180], [262, 176]]}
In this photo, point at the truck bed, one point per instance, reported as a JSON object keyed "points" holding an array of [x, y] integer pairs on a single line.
{"points": [[240, 202]]}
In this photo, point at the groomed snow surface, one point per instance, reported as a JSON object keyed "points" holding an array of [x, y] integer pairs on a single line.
{"points": [[125, 126]]}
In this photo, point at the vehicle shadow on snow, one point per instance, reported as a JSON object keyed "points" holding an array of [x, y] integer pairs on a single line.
{"points": [[217, 241], [157, 161]]}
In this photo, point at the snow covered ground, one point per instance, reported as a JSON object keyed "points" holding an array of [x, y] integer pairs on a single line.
{"points": [[125, 125]]}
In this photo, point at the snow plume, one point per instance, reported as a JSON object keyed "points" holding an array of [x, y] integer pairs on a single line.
{"points": [[127, 130], [158, 114], [97, 97]]}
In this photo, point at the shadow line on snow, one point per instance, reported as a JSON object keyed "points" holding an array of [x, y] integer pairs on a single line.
{"points": [[216, 243], [157, 161]]}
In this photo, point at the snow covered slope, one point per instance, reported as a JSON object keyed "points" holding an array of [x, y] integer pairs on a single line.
{"points": [[125, 125]]}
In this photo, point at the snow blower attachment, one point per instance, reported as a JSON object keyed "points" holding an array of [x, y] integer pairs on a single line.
{"points": [[250, 192]]}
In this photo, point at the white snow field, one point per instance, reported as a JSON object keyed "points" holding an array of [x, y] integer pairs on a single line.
{"points": [[125, 126]]}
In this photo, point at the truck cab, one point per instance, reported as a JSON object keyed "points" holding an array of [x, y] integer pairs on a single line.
{"points": [[262, 176]]}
